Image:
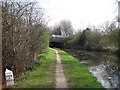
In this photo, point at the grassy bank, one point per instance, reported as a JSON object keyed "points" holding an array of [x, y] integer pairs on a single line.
{"points": [[41, 74], [76, 73]]}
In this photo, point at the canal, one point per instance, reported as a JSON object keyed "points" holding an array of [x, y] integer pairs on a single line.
{"points": [[104, 66]]}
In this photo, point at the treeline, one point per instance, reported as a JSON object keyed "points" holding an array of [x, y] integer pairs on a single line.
{"points": [[102, 38], [24, 35], [95, 39]]}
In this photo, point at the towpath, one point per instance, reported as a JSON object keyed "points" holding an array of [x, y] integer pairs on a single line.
{"points": [[60, 77]]}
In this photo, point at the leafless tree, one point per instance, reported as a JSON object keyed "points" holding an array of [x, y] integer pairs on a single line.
{"points": [[66, 27], [63, 28], [57, 30], [23, 35]]}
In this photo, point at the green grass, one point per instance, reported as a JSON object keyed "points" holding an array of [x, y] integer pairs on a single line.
{"points": [[77, 74], [41, 74]]}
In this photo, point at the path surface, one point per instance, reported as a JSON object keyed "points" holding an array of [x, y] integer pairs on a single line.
{"points": [[60, 77]]}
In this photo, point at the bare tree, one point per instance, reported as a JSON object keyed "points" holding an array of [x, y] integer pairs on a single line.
{"points": [[23, 35], [66, 27], [57, 30], [63, 28]]}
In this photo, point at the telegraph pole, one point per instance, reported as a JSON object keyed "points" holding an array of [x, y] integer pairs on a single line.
{"points": [[118, 43]]}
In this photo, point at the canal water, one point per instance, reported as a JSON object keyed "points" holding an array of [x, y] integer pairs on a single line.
{"points": [[104, 66]]}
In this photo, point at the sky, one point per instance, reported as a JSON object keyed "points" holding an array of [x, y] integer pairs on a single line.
{"points": [[81, 13]]}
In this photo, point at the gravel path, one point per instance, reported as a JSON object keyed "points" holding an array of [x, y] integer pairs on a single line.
{"points": [[60, 77]]}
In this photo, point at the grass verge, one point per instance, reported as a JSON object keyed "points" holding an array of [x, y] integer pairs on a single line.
{"points": [[77, 74], [41, 74]]}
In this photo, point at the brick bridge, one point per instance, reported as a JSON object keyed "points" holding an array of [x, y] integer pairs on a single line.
{"points": [[57, 41]]}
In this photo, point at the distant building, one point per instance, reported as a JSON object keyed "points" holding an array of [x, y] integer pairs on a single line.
{"points": [[58, 36]]}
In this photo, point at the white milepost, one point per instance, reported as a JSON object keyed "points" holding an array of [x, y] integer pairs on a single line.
{"points": [[9, 77]]}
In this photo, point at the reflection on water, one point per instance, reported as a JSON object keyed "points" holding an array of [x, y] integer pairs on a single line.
{"points": [[109, 79], [104, 66]]}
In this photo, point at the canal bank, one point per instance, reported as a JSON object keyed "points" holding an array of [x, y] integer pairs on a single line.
{"points": [[43, 75], [103, 65], [40, 74], [77, 74]]}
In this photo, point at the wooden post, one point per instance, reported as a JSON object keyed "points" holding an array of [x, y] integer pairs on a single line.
{"points": [[3, 79]]}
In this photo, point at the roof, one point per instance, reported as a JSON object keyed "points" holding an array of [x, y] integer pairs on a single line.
{"points": [[58, 36]]}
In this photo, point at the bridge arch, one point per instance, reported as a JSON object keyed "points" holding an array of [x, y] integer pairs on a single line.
{"points": [[57, 41]]}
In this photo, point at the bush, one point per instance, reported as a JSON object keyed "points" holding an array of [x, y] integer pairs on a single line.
{"points": [[23, 38]]}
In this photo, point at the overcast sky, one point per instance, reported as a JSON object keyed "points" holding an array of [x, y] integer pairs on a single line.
{"points": [[80, 12]]}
